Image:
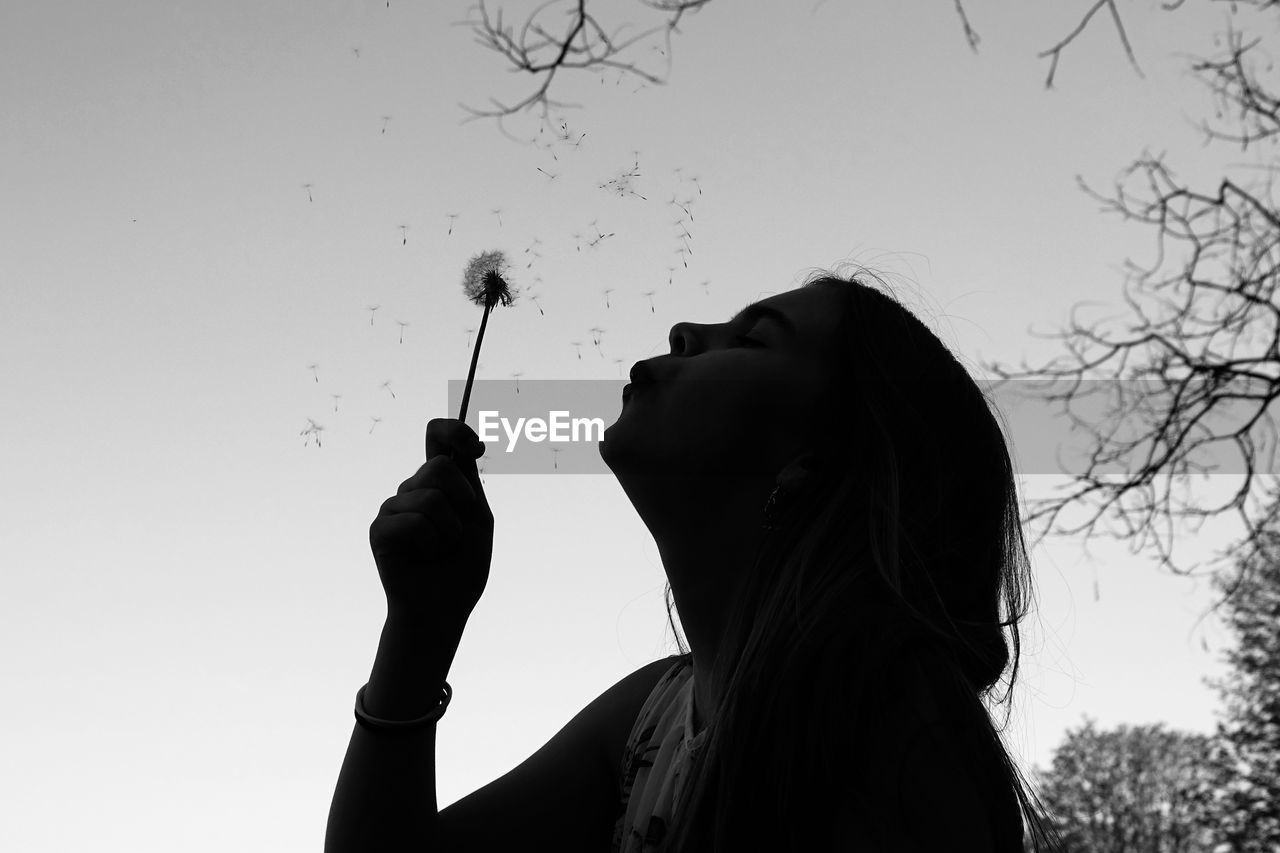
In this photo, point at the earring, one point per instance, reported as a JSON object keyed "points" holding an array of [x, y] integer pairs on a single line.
{"points": [[773, 508]]}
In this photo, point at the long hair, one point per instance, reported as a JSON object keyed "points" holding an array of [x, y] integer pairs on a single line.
{"points": [[907, 547]]}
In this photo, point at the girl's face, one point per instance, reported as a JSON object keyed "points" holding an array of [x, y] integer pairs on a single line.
{"points": [[732, 399]]}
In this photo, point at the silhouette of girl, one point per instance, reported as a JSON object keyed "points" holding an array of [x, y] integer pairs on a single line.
{"points": [[835, 509], [834, 505]]}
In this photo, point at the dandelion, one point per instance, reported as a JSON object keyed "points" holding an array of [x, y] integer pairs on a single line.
{"points": [[336, 398], [313, 430], [312, 367], [648, 294], [485, 283], [401, 324]]}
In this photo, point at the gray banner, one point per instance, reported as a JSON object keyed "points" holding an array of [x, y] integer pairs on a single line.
{"points": [[546, 426]]}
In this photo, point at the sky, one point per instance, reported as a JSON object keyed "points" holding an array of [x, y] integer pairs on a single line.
{"points": [[199, 202]]}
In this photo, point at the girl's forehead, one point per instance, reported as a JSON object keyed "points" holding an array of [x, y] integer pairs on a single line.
{"points": [[814, 311]]}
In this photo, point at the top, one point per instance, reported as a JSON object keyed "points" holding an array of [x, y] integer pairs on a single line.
{"points": [[663, 740], [655, 759]]}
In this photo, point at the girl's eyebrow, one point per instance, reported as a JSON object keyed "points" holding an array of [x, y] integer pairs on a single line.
{"points": [[755, 310]]}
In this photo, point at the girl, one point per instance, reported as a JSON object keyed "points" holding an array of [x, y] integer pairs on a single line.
{"points": [[834, 505]]}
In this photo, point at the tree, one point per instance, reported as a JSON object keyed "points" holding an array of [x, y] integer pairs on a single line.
{"points": [[1194, 368], [1130, 790], [1247, 742]]}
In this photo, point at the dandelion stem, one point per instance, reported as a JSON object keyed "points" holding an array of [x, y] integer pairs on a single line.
{"points": [[475, 357]]}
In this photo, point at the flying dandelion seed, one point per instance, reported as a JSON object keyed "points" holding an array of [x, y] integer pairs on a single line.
{"points": [[385, 119], [312, 430], [376, 421], [356, 51], [497, 211], [485, 281], [312, 367], [516, 376], [308, 187], [372, 309], [551, 176], [600, 235], [623, 184], [336, 398], [606, 293], [404, 239], [671, 274], [696, 184], [550, 148], [577, 345], [555, 459], [648, 294], [387, 385], [401, 324], [618, 362], [534, 299], [706, 286], [470, 332], [453, 217]]}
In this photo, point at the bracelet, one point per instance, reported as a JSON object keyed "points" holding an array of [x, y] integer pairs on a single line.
{"points": [[369, 721]]}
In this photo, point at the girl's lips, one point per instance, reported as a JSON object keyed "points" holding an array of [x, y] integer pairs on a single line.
{"points": [[640, 373]]}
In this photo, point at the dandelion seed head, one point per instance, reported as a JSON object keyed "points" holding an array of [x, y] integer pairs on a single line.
{"points": [[486, 280]]}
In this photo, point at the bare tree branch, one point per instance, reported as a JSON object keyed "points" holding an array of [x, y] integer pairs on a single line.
{"points": [[1194, 373], [1055, 52], [970, 34], [542, 50]]}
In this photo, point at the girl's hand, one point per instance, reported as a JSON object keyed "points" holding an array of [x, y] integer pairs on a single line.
{"points": [[433, 541]]}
